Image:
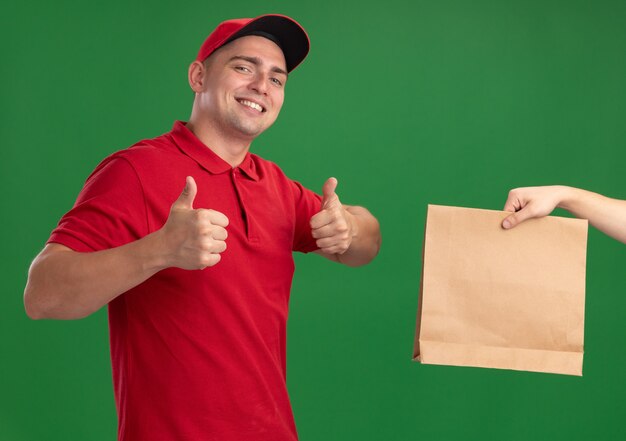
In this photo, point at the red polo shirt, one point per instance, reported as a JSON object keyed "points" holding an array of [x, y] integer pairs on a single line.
{"points": [[198, 355]]}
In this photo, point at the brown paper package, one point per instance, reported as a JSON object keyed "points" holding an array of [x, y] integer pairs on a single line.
{"points": [[495, 298]]}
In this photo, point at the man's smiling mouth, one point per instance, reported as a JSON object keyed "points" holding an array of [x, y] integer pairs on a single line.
{"points": [[252, 105]]}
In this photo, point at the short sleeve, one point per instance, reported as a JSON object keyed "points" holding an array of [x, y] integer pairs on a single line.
{"points": [[307, 204], [110, 210]]}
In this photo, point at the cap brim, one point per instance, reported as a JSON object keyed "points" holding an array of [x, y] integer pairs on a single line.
{"points": [[291, 37]]}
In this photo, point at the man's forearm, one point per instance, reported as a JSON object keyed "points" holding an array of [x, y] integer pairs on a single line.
{"points": [[65, 284]]}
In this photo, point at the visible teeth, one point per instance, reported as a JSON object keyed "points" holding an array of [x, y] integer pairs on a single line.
{"points": [[255, 106]]}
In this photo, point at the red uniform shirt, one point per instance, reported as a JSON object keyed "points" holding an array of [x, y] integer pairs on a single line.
{"points": [[198, 355]]}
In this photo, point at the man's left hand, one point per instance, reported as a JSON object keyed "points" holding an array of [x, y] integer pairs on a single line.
{"points": [[333, 227]]}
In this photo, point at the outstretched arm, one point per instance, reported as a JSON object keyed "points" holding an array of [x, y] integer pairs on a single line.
{"points": [[606, 214], [65, 284], [344, 233]]}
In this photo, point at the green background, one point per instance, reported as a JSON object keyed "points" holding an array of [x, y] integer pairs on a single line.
{"points": [[407, 103]]}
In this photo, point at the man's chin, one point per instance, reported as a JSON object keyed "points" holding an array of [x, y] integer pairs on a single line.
{"points": [[251, 131]]}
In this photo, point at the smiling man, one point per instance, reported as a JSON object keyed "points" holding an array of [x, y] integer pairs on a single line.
{"points": [[188, 237]]}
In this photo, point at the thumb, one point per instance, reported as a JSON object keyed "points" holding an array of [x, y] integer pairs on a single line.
{"points": [[185, 200], [328, 192], [516, 218]]}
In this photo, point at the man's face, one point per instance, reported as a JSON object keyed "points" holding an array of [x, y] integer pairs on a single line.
{"points": [[244, 86]]}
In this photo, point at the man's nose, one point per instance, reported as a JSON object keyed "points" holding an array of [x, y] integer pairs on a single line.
{"points": [[260, 84]]}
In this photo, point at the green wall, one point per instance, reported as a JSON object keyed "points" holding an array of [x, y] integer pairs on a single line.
{"points": [[407, 103]]}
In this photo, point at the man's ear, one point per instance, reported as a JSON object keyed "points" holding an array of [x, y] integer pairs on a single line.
{"points": [[196, 76]]}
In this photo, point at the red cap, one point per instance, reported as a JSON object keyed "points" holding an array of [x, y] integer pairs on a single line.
{"points": [[282, 30]]}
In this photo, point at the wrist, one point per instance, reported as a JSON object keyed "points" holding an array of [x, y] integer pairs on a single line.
{"points": [[154, 252], [568, 197]]}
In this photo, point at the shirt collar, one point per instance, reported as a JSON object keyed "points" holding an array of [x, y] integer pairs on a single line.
{"points": [[189, 144]]}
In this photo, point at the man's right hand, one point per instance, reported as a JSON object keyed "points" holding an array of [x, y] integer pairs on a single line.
{"points": [[193, 238], [66, 284]]}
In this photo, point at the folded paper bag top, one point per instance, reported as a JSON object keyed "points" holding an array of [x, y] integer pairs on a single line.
{"points": [[508, 299]]}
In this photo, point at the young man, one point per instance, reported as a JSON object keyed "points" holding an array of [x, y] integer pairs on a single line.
{"points": [[606, 214], [188, 238]]}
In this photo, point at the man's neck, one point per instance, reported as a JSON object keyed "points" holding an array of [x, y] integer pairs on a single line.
{"points": [[231, 150]]}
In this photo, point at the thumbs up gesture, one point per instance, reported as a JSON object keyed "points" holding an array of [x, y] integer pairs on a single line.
{"points": [[332, 226], [193, 238]]}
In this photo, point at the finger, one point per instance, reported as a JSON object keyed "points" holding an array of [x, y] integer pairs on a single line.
{"points": [[516, 218], [328, 242], [219, 233], [336, 249], [186, 198], [321, 219], [217, 218], [333, 246], [212, 246], [210, 260], [325, 231], [328, 192], [219, 246], [512, 203]]}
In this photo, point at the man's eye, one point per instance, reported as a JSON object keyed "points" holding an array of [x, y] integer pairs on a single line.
{"points": [[277, 81], [242, 69]]}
